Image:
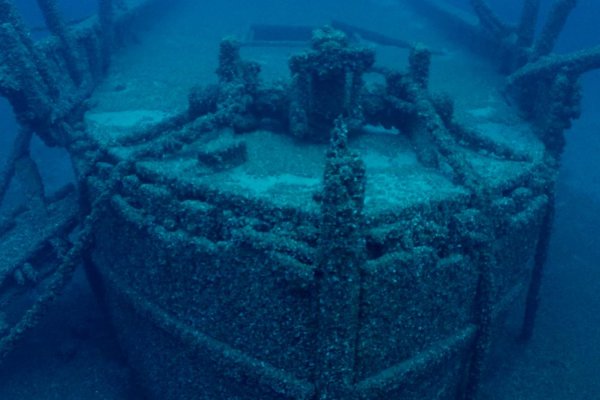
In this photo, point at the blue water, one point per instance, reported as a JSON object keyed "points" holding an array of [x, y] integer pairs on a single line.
{"points": [[72, 353]]}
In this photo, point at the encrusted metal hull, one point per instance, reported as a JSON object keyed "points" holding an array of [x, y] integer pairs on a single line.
{"points": [[216, 294]]}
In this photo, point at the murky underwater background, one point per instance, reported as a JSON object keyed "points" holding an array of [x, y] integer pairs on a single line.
{"points": [[71, 354]]}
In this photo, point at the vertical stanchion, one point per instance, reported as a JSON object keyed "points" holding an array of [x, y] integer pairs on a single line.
{"points": [[341, 254], [541, 254]]}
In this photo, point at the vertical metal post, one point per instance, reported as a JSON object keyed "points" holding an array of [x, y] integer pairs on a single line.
{"points": [[483, 335], [341, 254], [541, 254]]}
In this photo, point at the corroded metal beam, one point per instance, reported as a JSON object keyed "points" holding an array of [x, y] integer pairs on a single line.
{"points": [[20, 34], [58, 28], [489, 20], [576, 63], [57, 226], [528, 22], [20, 149], [44, 88], [560, 11], [22, 82]]}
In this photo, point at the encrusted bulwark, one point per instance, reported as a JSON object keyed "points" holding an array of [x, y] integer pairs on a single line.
{"points": [[346, 233]]}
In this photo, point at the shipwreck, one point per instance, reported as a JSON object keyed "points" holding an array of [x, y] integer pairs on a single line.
{"points": [[357, 230]]}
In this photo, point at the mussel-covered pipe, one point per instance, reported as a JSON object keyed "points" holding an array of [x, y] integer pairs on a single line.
{"points": [[560, 11], [57, 26], [489, 20], [576, 63], [20, 34], [528, 22], [22, 86]]}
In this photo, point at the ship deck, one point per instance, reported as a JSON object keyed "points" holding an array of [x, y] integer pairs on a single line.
{"points": [[150, 79]]}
